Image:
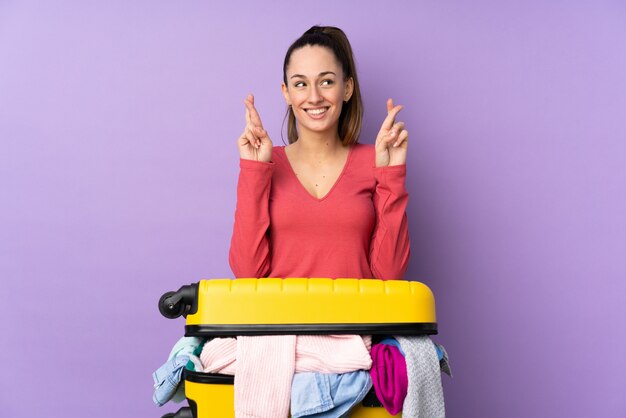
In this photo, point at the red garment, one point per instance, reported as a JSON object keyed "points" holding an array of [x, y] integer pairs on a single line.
{"points": [[359, 229]]}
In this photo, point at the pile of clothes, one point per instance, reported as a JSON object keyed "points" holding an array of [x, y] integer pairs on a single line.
{"points": [[313, 375]]}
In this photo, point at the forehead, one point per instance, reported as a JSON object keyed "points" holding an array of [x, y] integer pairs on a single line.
{"points": [[312, 60]]}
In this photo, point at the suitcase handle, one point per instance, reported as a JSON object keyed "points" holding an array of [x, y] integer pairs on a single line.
{"points": [[182, 302], [184, 412]]}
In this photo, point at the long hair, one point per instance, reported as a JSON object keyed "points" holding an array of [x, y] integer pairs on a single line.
{"points": [[351, 115]]}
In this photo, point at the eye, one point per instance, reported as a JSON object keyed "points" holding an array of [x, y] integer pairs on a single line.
{"points": [[327, 82], [299, 84]]}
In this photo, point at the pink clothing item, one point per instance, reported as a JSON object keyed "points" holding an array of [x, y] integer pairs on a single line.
{"points": [[219, 356], [314, 353], [389, 377], [359, 229], [265, 367], [332, 353]]}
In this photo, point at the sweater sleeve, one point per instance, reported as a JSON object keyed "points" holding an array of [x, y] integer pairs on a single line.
{"points": [[390, 246], [249, 254]]}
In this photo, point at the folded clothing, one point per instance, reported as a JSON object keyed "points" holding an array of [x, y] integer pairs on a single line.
{"points": [[264, 366], [314, 353], [264, 372], [168, 384], [425, 393], [167, 379], [219, 355], [325, 395], [389, 376]]}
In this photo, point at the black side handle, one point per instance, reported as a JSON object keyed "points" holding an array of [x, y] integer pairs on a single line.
{"points": [[182, 302], [184, 412]]}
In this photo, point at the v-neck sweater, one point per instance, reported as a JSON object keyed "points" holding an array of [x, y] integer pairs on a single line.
{"points": [[359, 229]]}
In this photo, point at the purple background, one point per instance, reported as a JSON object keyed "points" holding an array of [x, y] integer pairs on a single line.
{"points": [[118, 169]]}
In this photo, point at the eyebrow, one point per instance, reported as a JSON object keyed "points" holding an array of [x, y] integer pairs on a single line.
{"points": [[322, 74]]}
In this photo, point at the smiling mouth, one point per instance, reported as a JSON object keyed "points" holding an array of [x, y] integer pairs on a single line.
{"points": [[317, 111]]}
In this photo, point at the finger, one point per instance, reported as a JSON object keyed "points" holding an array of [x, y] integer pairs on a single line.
{"points": [[389, 105], [255, 119], [387, 136], [252, 138], [246, 139], [391, 117], [249, 98], [396, 128], [261, 135], [254, 115], [388, 139], [402, 138], [393, 135], [260, 132], [249, 102]]}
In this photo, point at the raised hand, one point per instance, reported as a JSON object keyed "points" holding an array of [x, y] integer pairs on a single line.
{"points": [[392, 140], [254, 143]]}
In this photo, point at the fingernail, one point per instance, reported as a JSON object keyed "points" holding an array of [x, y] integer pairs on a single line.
{"points": [[392, 133]]}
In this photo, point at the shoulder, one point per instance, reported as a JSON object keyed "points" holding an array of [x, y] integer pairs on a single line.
{"points": [[278, 153], [365, 149], [364, 154], [279, 158]]}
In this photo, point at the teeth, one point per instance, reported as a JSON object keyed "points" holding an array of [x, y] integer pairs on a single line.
{"points": [[317, 111]]}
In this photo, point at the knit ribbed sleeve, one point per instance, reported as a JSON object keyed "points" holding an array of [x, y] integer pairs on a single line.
{"points": [[390, 246], [249, 254]]}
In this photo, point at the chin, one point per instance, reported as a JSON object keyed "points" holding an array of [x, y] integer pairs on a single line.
{"points": [[328, 123]]}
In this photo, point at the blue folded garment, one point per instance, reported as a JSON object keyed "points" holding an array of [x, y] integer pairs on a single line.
{"points": [[167, 380], [327, 395]]}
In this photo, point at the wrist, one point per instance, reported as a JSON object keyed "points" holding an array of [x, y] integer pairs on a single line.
{"points": [[246, 163]]}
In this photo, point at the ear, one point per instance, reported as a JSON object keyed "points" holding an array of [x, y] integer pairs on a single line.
{"points": [[349, 89], [285, 93]]}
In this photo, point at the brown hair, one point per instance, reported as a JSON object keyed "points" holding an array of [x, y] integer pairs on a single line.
{"points": [[351, 112]]}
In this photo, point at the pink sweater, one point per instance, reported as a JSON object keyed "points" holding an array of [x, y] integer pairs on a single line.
{"points": [[359, 229], [313, 353]]}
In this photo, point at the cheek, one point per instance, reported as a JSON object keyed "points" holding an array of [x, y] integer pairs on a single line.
{"points": [[297, 97], [338, 95]]}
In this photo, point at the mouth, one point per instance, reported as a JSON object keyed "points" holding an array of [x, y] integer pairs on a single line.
{"points": [[317, 112]]}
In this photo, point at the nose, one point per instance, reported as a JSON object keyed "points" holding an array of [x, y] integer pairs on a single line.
{"points": [[314, 95]]}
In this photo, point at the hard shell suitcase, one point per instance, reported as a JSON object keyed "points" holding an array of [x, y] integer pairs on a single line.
{"points": [[226, 307]]}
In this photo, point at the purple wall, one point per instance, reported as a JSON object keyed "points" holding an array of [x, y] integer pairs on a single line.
{"points": [[118, 170]]}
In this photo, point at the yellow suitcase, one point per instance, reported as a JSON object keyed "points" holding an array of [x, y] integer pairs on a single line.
{"points": [[227, 307]]}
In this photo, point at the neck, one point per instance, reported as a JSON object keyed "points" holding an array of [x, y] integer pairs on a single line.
{"points": [[318, 144]]}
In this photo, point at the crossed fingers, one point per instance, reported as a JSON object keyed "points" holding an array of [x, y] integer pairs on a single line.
{"points": [[393, 132], [252, 116], [254, 131]]}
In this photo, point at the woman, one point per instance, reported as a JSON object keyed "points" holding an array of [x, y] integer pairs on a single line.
{"points": [[324, 205]]}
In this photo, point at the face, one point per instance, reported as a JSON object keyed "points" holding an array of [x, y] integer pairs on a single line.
{"points": [[316, 89]]}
